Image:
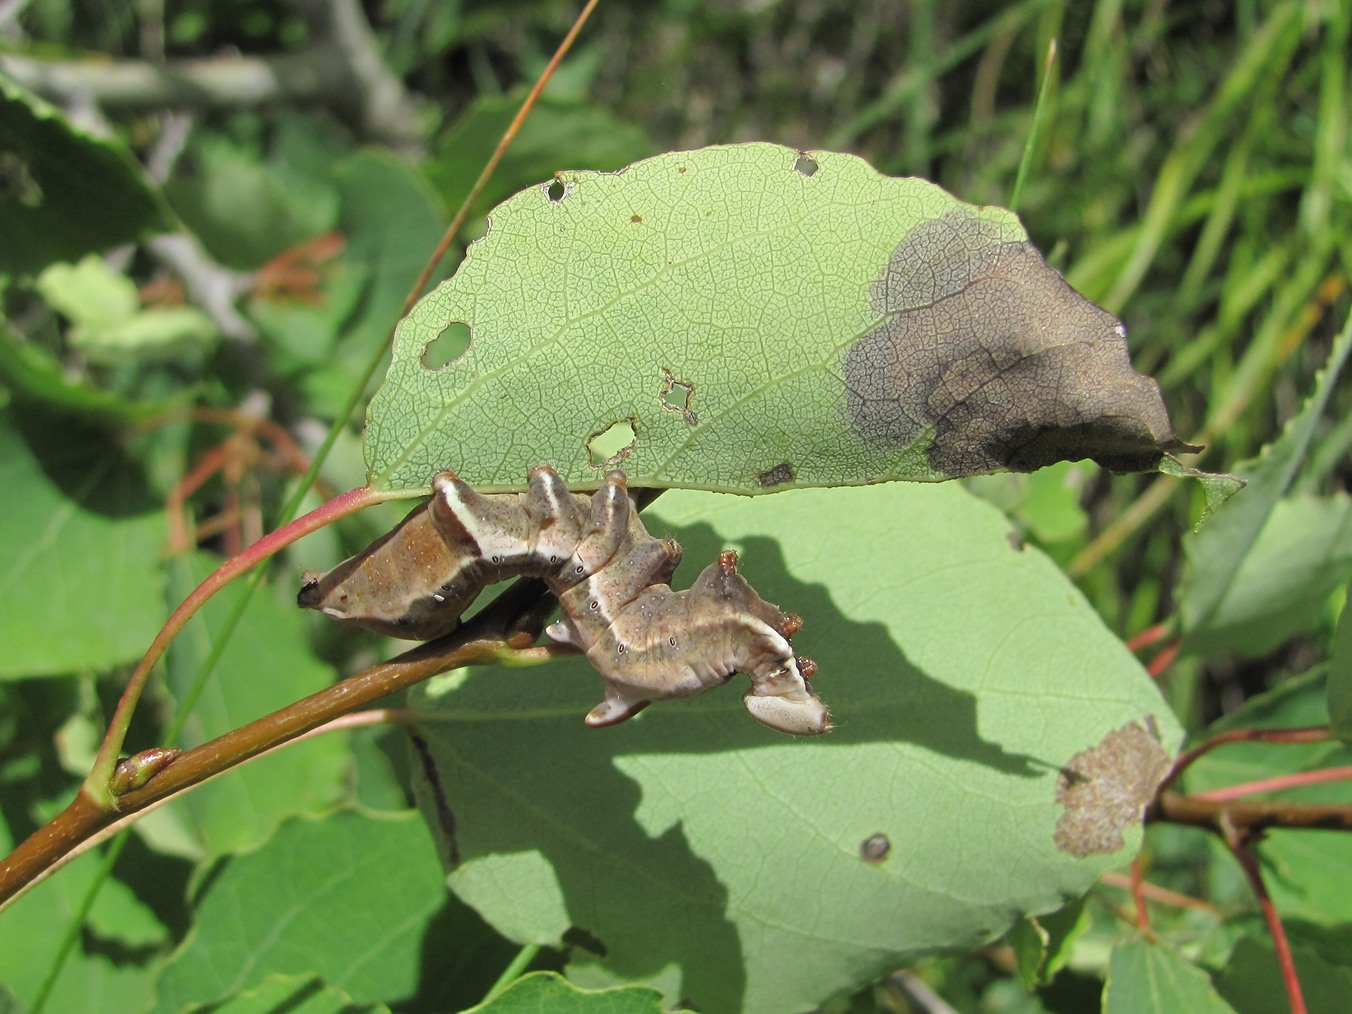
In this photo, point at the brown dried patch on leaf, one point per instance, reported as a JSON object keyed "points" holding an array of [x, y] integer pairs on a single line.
{"points": [[988, 348], [777, 476], [1106, 788]]}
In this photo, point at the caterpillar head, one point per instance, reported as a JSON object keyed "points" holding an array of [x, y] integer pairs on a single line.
{"points": [[784, 701]]}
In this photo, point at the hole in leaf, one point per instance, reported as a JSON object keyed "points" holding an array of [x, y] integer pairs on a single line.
{"points": [[17, 183], [676, 395], [608, 447], [806, 166], [555, 190], [446, 347]]}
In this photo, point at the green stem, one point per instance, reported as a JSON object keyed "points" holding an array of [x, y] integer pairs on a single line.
{"points": [[97, 784], [1035, 130], [513, 971], [77, 922]]}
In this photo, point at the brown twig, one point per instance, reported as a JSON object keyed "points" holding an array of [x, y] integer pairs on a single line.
{"points": [[1148, 636], [1291, 781], [1176, 808], [1160, 895], [1306, 734], [96, 786], [1161, 662], [1240, 842], [1137, 882], [503, 631]]}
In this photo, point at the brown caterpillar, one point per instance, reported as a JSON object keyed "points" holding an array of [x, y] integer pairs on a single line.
{"points": [[647, 642]]}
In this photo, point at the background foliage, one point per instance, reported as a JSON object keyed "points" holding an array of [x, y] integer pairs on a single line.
{"points": [[1191, 173]]}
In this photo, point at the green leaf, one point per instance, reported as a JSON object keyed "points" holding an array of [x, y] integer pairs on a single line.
{"points": [[1252, 981], [64, 192], [294, 994], [34, 375], [79, 550], [347, 899], [1145, 978], [89, 293], [389, 218], [1217, 487], [93, 978], [555, 134], [1042, 944], [701, 852], [266, 665], [1306, 871], [1282, 587], [1217, 552], [246, 210], [1340, 677], [548, 991], [108, 324], [759, 319]]}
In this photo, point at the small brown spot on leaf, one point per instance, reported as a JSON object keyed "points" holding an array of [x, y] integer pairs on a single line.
{"points": [[874, 848], [777, 476], [636, 219], [986, 347], [1106, 788]]}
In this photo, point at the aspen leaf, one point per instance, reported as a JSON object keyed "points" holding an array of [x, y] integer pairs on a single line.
{"points": [[759, 319]]}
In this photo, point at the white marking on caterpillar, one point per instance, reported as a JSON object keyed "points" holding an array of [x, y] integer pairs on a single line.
{"points": [[648, 642]]}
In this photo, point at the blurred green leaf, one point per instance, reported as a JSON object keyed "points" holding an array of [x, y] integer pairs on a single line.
{"points": [[36, 378], [1282, 587], [760, 319], [79, 550], [1340, 677], [1306, 871], [1218, 551], [1042, 943], [557, 135], [294, 994], [63, 191], [694, 849], [1252, 982], [111, 966], [267, 665], [245, 208], [1146, 978], [158, 332], [108, 324], [1052, 510], [347, 899], [89, 293], [548, 991], [389, 219]]}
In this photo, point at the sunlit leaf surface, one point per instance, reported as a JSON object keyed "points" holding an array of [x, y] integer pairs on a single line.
{"points": [[749, 319]]}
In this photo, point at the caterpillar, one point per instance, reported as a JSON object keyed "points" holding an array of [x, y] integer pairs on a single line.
{"points": [[611, 577]]}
